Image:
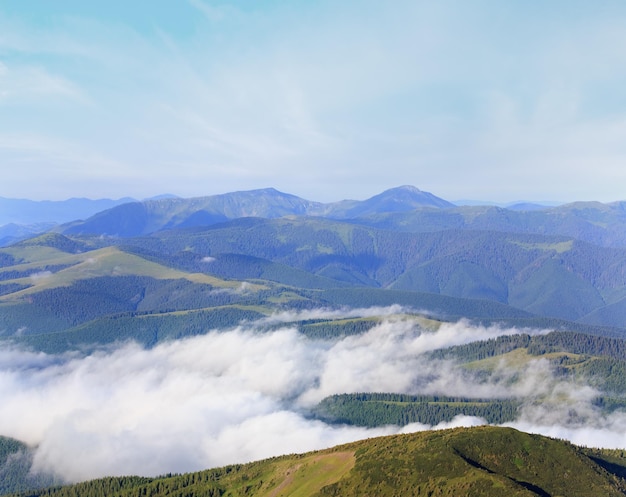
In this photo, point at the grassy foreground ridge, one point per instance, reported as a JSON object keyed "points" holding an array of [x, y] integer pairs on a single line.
{"points": [[480, 461]]}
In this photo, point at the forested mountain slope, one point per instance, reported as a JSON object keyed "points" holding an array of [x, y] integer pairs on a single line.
{"points": [[542, 275], [545, 275], [593, 222], [399, 209], [57, 293]]}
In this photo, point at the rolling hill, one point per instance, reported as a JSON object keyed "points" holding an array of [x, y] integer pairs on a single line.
{"points": [[482, 461], [544, 275]]}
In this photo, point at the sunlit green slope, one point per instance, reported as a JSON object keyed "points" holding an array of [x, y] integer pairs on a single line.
{"points": [[483, 461]]}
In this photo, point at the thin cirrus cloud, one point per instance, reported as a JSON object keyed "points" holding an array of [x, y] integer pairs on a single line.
{"points": [[209, 97], [31, 83]]}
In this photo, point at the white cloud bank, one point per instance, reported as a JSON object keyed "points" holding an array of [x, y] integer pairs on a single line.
{"points": [[220, 398]]}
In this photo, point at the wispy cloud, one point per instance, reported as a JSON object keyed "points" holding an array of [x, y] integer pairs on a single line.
{"points": [[240, 96], [31, 84], [214, 13], [41, 275], [210, 400]]}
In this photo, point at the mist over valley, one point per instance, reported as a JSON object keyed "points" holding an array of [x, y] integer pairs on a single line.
{"points": [[175, 335], [234, 262]]}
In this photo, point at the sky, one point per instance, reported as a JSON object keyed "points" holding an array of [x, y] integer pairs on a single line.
{"points": [[327, 100]]}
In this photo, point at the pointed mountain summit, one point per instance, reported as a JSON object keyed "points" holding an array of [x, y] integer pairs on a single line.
{"points": [[142, 218], [405, 198], [400, 199]]}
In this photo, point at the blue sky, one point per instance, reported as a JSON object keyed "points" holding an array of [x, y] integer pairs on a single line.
{"points": [[327, 100]]}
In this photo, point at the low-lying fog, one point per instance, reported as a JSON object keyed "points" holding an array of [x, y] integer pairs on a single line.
{"points": [[242, 395]]}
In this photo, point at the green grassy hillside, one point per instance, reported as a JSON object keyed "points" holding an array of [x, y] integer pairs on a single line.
{"points": [[483, 461]]}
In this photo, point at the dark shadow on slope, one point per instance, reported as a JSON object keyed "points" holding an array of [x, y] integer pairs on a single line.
{"points": [[528, 486]]}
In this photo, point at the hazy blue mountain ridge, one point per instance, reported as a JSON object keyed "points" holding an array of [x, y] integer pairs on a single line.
{"points": [[21, 218], [146, 217], [594, 222], [545, 262], [12, 232], [23, 211], [399, 209]]}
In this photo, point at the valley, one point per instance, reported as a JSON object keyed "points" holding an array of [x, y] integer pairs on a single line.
{"points": [[259, 310]]}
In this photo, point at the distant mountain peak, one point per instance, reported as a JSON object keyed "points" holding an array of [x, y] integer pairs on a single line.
{"points": [[407, 197], [141, 218], [406, 188], [270, 189]]}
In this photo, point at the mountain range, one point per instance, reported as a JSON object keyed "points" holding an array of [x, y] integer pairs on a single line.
{"points": [[400, 209], [25, 212], [404, 208], [140, 218], [566, 262], [167, 269]]}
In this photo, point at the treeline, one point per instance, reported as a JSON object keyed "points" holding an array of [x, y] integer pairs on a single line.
{"points": [[89, 299], [104, 487], [208, 483], [382, 255], [486, 461], [378, 409], [232, 266], [578, 343], [568, 277], [476, 351], [8, 288], [92, 298], [146, 329], [7, 260], [15, 464], [599, 360], [336, 329], [606, 373], [556, 341], [14, 274]]}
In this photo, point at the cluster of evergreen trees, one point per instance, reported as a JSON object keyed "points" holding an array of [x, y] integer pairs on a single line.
{"points": [[15, 464], [378, 409]]}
